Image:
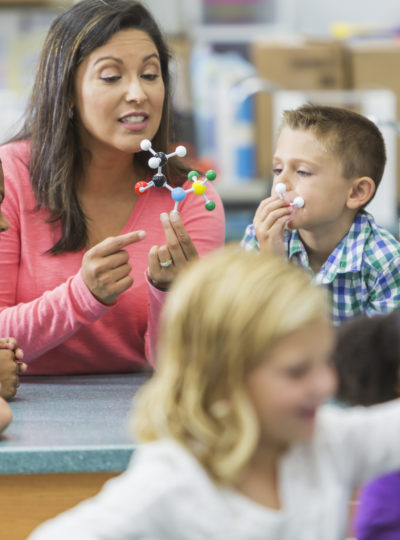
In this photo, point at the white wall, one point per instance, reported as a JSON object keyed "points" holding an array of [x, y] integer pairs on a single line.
{"points": [[316, 16], [309, 16]]}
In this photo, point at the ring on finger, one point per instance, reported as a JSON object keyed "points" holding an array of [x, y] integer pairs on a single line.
{"points": [[166, 264]]}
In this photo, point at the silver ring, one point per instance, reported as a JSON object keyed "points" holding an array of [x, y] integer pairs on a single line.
{"points": [[166, 264]]}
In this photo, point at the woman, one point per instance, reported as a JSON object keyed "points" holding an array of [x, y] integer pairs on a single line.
{"points": [[11, 364], [73, 289]]}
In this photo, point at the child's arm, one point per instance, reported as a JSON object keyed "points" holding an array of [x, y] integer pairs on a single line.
{"points": [[155, 498], [384, 295], [5, 414], [364, 441]]}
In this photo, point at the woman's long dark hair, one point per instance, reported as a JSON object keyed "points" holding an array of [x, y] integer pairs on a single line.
{"points": [[56, 157]]}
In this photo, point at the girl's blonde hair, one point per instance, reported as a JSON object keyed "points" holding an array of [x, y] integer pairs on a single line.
{"points": [[221, 319]]}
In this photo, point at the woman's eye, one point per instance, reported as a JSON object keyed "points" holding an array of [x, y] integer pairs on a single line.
{"points": [[150, 76], [112, 79]]}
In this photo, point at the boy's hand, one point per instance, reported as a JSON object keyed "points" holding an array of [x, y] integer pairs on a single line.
{"points": [[9, 370], [105, 267], [165, 262], [269, 223]]}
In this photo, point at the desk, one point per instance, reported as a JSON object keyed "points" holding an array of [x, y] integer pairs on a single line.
{"points": [[68, 436]]}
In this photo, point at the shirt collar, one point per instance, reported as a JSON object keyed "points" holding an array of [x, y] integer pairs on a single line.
{"points": [[347, 255]]}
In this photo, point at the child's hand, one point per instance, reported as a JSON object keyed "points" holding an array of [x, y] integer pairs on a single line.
{"points": [[9, 371], [165, 262], [5, 414], [11, 344], [269, 223]]}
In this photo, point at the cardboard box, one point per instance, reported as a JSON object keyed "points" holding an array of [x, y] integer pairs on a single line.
{"points": [[293, 65], [376, 64]]}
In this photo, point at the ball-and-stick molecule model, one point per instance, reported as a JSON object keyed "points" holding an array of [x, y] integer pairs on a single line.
{"points": [[280, 189], [178, 194]]}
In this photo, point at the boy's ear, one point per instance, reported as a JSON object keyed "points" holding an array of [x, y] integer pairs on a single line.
{"points": [[362, 190]]}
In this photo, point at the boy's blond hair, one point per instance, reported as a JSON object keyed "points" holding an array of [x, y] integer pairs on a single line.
{"points": [[221, 319], [354, 139]]}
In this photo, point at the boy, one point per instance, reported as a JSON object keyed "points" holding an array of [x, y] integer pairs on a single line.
{"points": [[334, 159]]}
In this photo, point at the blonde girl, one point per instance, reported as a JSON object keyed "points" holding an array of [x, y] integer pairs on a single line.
{"points": [[235, 442]]}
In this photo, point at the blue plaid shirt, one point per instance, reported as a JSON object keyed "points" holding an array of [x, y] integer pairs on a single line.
{"points": [[362, 273]]}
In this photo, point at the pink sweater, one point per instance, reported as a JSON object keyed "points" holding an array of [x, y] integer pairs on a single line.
{"points": [[44, 301]]}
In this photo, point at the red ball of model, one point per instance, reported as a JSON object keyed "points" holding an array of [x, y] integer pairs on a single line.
{"points": [[139, 187]]}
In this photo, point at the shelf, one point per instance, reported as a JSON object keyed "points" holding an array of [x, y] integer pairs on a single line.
{"points": [[245, 194], [234, 33]]}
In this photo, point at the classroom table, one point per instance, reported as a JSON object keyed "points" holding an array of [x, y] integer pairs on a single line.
{"points": [[68, 436]]}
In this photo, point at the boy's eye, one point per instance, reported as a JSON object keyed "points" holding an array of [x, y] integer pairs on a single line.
{"points": [[277, 171], [112, 79], [303, 173]]}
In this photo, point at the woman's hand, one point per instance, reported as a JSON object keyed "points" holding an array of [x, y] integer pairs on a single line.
{"points": [[105, 267], [269, 223], [165, 262]]}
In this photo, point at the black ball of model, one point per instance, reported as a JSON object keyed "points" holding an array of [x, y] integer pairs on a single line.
{"points": [[159, 180], [162, 157]]}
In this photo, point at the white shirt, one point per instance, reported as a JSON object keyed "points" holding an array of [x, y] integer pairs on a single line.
{"points": [[166, 494]]}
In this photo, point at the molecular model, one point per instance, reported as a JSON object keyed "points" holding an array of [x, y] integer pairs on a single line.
{"points": [[280, 189], [178, 194]]}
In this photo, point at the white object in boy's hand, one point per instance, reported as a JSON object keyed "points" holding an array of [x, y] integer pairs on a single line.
{"points": [[280, 189], [298, 202]]}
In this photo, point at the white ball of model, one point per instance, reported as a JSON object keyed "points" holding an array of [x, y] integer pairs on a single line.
{"points": [[280, 189]]}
